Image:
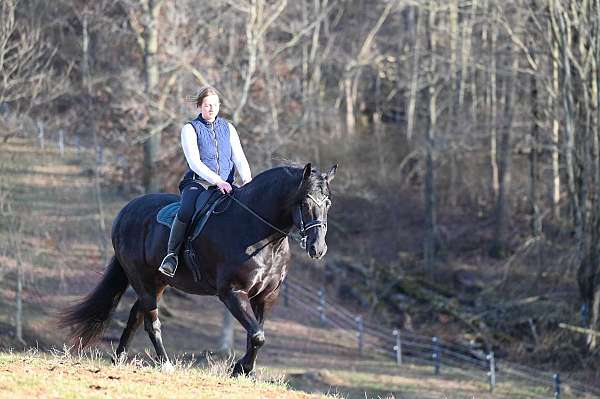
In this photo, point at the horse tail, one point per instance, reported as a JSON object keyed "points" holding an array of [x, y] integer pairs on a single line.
{"points": [[89, 317]]}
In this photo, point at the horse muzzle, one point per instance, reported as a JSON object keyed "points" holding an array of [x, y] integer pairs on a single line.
{"points": [[317, 251]]}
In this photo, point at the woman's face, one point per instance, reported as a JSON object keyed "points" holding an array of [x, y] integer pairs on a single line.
{"points": [[210, 107]]}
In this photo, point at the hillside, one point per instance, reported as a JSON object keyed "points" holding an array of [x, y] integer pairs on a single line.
{"points": [[57, 239]]}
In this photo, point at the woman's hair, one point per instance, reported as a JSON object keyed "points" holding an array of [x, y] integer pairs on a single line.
{"points": [[205, 92]]}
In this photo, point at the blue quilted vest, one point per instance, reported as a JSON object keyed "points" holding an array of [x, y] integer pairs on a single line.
{"points": [[214, 146]]}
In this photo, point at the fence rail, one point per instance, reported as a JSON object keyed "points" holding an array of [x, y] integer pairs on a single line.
{"points": [[404, 346]]}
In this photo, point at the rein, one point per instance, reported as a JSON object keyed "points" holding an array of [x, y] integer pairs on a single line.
{"points": [[301, 241], [303, 227]]}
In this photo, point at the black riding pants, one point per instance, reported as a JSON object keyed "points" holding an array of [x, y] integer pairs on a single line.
{"points": [[189, 194]]}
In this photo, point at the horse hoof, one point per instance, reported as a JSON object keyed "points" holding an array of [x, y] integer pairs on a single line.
{"points": [[119, 359], [238, 370], [167, 367]]}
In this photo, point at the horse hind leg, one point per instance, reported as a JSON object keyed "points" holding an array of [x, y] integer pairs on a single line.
{"points": [[152, 326], [133, 323]]}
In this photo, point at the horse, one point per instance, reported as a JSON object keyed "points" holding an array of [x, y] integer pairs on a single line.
{"points": [[244, 255]]}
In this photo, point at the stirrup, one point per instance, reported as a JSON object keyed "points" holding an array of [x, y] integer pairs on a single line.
{"points": [[162, 268]]}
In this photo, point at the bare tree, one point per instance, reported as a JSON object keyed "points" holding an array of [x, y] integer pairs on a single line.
{"points": [[15, 241], [353, 68], [416, 67], [227, 333], [536, 222], [144, 19], [504, 160], [26, 59], [430, 136], [493, 104]]}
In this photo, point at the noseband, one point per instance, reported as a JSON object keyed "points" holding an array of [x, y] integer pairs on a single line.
{"points": [[304, 227]]}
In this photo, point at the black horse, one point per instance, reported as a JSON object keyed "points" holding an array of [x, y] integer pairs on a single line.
{"points": [[244, 254]]}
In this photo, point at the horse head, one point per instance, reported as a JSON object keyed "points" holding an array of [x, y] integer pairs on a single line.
{"points": [[310, 213]]}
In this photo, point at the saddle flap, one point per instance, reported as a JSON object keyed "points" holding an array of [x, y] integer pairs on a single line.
{"points": [[201, 217], [204, 200]]}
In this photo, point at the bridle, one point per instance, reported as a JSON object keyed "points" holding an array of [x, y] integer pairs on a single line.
{"points": [[303, 228]]}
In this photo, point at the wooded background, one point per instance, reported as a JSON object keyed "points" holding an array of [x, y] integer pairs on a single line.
{"points": [[486, 110]]}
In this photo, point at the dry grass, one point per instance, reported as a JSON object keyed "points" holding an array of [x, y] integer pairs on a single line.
{"points": [[88, 375]]}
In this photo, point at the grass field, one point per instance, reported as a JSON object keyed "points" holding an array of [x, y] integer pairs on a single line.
{"points": [[60, 237], [30, 375]]}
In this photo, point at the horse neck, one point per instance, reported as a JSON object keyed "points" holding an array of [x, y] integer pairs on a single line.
{"points": [[271, 200]]}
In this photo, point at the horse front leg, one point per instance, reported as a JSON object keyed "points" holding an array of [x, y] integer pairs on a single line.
{"points": [[246, 364], [239, 305]]}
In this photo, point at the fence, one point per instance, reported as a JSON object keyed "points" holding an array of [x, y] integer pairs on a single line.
{"points": [[59, 141], [404, 347]]}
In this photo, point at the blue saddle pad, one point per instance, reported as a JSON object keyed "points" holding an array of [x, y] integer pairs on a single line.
{"points": [[205, 204], [167, 214]]}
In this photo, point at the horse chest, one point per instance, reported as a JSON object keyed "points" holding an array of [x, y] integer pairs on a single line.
{"points": [[268, 268]]}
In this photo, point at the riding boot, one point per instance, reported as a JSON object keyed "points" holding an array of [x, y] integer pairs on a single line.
{"points": [[170, 262]]}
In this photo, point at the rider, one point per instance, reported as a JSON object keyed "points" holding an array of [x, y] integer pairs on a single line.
{"points": [[213, 152]]}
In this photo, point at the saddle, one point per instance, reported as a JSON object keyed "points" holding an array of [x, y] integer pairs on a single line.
{"points": [[206, 204]]}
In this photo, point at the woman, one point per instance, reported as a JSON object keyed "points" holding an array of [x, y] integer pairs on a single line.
{"points": [[213, 152]]}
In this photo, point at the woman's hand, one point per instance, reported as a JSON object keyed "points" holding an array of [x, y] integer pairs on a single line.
{"points": [[224, 187]]}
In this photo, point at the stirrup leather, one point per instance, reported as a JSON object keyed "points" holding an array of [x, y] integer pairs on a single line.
{"points": [[162, 268]]}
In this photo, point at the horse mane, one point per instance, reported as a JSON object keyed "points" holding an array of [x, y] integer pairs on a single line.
{"points": [[274, 177], [284, 175]]}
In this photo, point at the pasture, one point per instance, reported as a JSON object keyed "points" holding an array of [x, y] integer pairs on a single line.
{"points": [[62, 261]]}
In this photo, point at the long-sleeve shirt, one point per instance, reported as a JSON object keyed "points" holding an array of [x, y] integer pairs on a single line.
{"points": [[192, 155]]}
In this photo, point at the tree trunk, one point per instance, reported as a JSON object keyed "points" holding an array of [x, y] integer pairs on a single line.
{"points": [[378, 129], [86, 79], [554, 106], [569, 118], [430, 207], [493, 105], [594, 79], [500, 246], [350, 120], [19, 303], [453, 110], [536, 221], [414, 81], [465, 51], [151, 179], [226, 342]]}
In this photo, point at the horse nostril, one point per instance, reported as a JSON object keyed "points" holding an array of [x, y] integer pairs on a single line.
{"points": [[316, 252]]}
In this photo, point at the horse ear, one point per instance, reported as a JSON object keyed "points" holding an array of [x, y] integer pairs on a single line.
{"points": [[331, 173], [307, 172]]}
